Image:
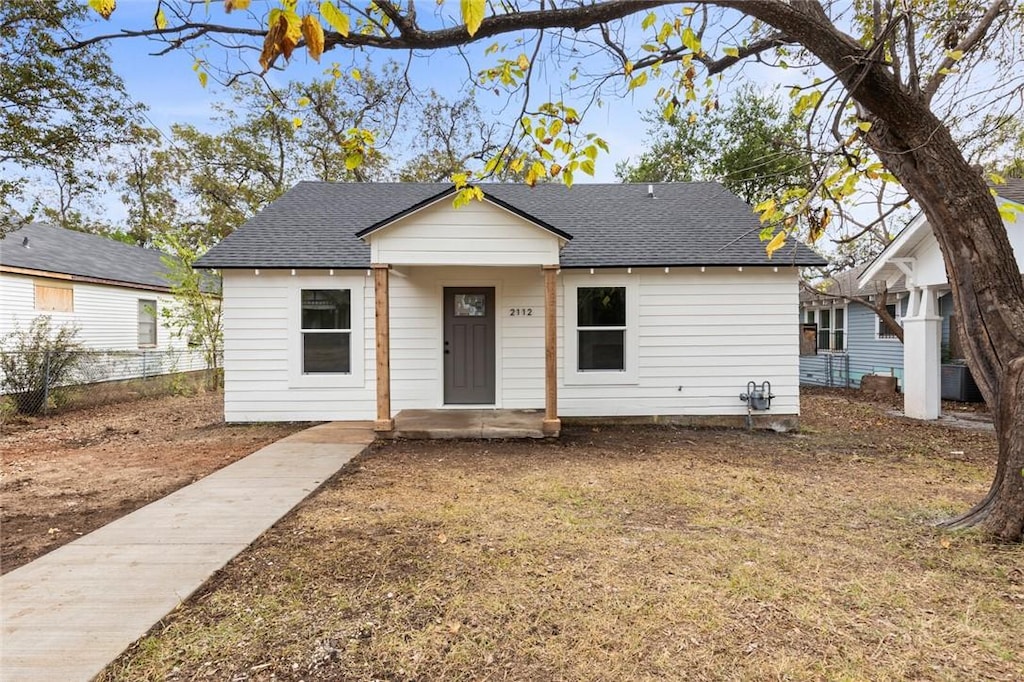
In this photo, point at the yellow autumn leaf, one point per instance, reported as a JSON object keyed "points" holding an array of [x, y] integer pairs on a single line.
{"points": [[230, 5], [303, 101], [313, 32], [357, 75], [639, 81], [776, 243], [524, 62], [160, 19], [103, 7], [202, 78], [864, 125], [766, 206], [731, 52], [272, 41], [473, 14], [353, 161], [337, 19]]}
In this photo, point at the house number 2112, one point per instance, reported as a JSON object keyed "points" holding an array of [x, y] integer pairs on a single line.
{"points": [[519, 312]]}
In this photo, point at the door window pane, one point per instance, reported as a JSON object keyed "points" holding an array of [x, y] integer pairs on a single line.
{"points": [[470, 305]]}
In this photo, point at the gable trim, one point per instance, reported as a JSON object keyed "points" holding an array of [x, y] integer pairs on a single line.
{"points": [[430, 201]]}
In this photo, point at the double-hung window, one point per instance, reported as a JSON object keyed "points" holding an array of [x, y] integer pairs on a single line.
{"points": [[326, 329], [831, 324], [147, 323], [601, 328]]}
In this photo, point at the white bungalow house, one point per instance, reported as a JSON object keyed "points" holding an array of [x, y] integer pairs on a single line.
{"points": [[915, 256], [359, 301], [112, 292]]}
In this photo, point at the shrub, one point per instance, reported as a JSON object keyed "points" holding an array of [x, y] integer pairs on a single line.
{"points": [[36, 361]]}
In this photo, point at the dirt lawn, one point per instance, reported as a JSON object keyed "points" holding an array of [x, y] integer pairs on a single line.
{"points": [[65, 475], [623, 554]]}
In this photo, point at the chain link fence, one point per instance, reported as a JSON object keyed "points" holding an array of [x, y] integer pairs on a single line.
{"points": [[42, 382]]}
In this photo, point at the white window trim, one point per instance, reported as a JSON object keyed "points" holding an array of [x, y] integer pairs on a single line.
{"points": [[628, 376], [354, 378], [899, 320]]}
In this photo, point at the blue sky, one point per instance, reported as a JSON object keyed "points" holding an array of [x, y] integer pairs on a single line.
{"points": [[170, 88]]}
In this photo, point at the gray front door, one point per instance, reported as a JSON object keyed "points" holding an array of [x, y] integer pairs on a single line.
{"points": [[469, 318]]}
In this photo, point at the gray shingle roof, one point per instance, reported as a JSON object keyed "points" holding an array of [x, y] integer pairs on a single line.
{"points": [[845, 284], [54, 249], [314, 225], [1013, 190]]}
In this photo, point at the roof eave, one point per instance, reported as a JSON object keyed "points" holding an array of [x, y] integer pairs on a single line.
{"points": [[906, 236]]}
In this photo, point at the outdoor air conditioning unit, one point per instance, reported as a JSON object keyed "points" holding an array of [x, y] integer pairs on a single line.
{"points": [[958, 384]]}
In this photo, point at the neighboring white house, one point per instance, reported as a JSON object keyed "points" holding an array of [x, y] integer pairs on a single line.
{"points": [[112, 292], [915, 255], [357, 301]]}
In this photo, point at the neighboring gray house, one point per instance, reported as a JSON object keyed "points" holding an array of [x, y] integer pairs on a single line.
{"points": [[850, 339], [360, 300]]}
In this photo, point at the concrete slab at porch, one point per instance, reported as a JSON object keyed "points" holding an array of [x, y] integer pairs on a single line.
{"points": [[468, 424]]}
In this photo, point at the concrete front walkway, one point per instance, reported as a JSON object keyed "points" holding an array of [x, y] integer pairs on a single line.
{"points": [[68, 614]]}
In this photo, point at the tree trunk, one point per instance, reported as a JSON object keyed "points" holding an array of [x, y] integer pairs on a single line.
{"points": [[1001, 511], [987, 288]]}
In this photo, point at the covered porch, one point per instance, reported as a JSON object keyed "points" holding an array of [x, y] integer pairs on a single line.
{"points": [[465, 323]]}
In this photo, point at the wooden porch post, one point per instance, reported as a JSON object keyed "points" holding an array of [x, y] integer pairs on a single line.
{"points": [[552, 425], [384, 421]]}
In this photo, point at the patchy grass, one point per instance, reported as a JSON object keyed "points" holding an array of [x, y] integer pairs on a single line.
{"points": [[623, 553]]}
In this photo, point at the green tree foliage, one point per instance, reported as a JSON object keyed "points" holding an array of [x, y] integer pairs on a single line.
{"points": [[36, 361], [57, 109], [196, 314], [754, 145]]}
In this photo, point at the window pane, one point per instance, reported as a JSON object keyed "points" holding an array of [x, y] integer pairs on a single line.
{"points": [[839, 340], [325, 353], [826, 318], [601, 307], [810, 317], [147, 322], [883, 331], [840, 314], [602, 350], [823, 335], [326, 309], [470, 305]]}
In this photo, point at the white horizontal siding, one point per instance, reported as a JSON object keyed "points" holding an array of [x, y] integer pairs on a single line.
{"points": [[480, 233], [106, 316], [702, 337], [258, 353]]}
